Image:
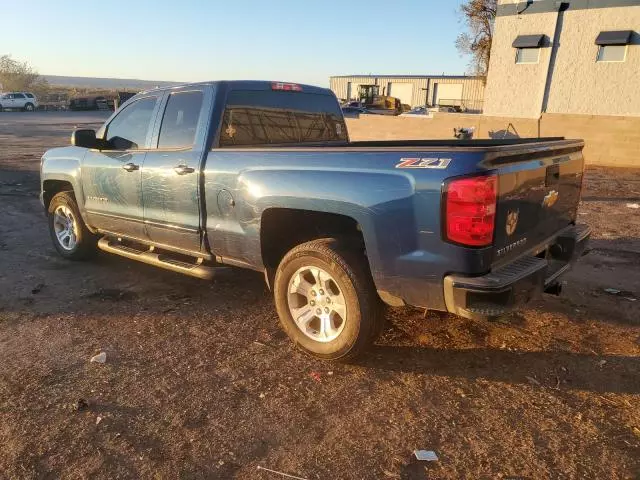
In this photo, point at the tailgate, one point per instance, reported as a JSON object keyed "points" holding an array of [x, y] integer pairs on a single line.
{"points": [[538, 194]]}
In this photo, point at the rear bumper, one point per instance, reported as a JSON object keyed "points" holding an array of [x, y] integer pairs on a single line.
{"points": [[511, 286]]}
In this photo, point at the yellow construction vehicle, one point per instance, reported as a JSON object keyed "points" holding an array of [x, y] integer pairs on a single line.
{"points": [[370, 98]]}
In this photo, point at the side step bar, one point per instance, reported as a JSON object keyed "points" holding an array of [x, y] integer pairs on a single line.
{"points": [[162, 260]]}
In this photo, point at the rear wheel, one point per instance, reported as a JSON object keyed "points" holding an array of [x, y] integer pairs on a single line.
{"points": [[29, 107], [326, 299], [69, 234]]}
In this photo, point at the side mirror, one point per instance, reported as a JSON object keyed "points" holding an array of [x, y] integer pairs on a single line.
{"points": [[84, 138]]}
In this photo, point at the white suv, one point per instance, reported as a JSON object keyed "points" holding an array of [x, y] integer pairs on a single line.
{"points": [[18, 101]]}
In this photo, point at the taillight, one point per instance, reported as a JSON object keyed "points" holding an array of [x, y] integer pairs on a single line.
{"points": [[287, 87], [470, 210]]}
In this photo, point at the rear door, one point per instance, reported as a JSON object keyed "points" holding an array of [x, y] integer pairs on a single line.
{"points": [[111, 177], [539, 192], [19, 100], [171, 173]]}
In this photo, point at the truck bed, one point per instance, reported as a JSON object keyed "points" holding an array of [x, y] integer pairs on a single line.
{"points": [[453, 143]]}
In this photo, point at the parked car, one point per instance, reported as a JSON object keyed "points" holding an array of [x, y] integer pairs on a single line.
{"points": [[18, 101], [262, 175]]}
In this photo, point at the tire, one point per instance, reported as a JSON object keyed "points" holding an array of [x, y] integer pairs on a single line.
{"points": [[29, 107], [349, 276], [63, 211]]}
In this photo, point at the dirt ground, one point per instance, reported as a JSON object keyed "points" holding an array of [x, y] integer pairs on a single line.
{"points": [[200, 382]]}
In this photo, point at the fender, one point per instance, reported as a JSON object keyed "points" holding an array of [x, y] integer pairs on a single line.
{"points": [[382, 204], [64, 164]]}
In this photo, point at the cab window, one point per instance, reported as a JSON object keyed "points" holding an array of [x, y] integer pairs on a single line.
{"points": [[129, 129], [265, 117], [180, 120]]}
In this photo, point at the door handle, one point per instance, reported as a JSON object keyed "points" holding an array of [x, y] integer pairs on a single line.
{"points": [[130, 167], [183, 169]]}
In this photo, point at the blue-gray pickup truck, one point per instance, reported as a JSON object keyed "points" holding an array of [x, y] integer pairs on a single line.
{"points": [[262, 175]]}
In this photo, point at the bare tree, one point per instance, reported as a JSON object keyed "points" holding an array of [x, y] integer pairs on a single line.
{"points": [[478, 15], [19, 76]]}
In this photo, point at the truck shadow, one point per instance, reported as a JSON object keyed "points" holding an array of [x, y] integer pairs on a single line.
{"points": [[541, 369]]}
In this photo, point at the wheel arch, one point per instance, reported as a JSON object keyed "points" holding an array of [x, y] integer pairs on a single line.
{"points": [[277, 237], [54, 184], [51, 188]]}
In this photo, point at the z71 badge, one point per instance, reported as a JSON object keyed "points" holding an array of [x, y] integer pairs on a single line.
{"points": [[440, 163]]}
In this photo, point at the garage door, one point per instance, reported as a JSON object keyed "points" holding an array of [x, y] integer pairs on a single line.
{"points": [[403, 91], [447, 94], [353, 91]]}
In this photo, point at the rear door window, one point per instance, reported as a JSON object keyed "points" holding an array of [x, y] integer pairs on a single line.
{"points": [[18, 95], [129, 129], [180, 120], [265, 117]]}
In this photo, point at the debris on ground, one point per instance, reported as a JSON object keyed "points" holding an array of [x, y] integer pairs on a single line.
{"points": [[602, 363], [426, 455], [80, 405], [621, 293], [633, 205], [98, 420], [532, 381], [286, 475], [99, 358], [636, 432], [315, 376], [37, 289]]}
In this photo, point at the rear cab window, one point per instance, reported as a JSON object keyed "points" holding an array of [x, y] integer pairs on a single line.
{"points": [[254, 118]]}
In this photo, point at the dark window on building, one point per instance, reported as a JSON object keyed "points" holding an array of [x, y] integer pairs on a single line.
{"points": [[180, 120], [264, 117], [129, 129], [612, 46]]}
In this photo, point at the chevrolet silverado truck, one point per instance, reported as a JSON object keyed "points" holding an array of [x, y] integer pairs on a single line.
{"points": [[262, 175]]}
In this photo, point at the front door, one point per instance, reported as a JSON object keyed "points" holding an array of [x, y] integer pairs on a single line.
{"points": [[8, 101], [171, 173], [111, 177]]}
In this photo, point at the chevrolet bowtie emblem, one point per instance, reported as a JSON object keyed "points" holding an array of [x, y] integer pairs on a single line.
{"points": [[512, 222], [550, 199]]}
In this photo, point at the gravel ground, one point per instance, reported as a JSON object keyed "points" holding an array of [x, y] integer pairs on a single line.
{"points": [[200, 382]]}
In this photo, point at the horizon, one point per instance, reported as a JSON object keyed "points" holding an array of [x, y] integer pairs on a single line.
{"points": [[284, 42]]}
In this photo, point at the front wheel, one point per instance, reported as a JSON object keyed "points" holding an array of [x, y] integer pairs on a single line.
{"points": [[326, 299], [69, 234]]}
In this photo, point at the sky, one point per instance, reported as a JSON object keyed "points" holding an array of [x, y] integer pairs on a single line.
{"points": [[304, 41]]}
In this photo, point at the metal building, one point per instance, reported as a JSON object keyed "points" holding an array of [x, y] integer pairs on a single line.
{"points": [[461, 92]]}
